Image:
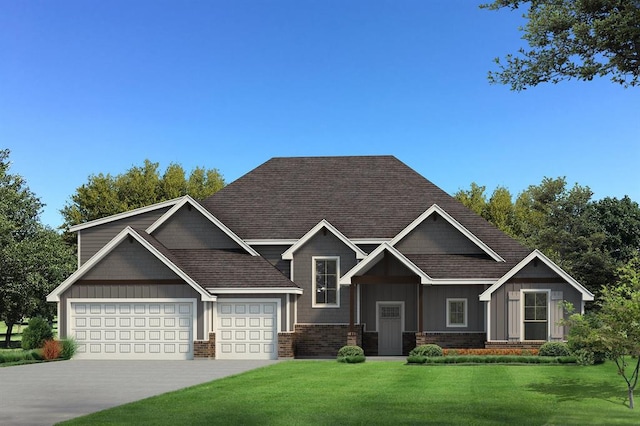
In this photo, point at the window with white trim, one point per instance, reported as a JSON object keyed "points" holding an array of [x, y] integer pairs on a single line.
{"points": [[536, 322], [326, 271], [456, 312]]}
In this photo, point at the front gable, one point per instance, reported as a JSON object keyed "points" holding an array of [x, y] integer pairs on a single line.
{"points": [[323, 227]]}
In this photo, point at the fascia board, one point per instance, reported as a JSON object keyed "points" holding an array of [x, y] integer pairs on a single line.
{"points": [[124, 215], [586, 294], [452, 221], [187, 199], [288, 254], [254, 290]]}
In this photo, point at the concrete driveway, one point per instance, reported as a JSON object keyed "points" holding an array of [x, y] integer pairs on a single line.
{"points": [[47, 393]]}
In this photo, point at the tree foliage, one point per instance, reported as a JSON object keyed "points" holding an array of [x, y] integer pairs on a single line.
{"points": [[569, 39], [105, 195], [589, 239], [33, 258]]}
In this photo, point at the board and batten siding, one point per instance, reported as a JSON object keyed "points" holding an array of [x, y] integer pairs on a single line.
{"points": [[435, 307], [93, 239], [273, 254], [189, 229], [129, 290], [436, 237], [397, 292], [321, 245]]}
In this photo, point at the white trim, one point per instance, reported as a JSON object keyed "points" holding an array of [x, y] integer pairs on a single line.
{"points": [[376, 241], [446, 216], [79, 248], [375, 257], [522, 321], [124, 215], [54, 296], [313, 283], [488, 309], [255, 290], [463, 281], [270, 242], [390, 303], [536, 254], [188, 200], [288, 254], [466, 311], [455, 332], [287, 311]]}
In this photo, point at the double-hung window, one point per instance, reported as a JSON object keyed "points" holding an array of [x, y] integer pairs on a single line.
{"points": [[536, 323], [456, 312], [326, 272]]}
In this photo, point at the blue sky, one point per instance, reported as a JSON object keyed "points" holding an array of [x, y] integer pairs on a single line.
{"points": [[90, 87]]}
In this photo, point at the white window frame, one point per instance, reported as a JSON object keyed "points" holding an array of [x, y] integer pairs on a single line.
{"points": [[522, 310], [465, 313], [314, 259]]}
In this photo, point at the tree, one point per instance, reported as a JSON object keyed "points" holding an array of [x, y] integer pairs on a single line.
{"points": [[105, 195], [569, 39], [33, 258]]}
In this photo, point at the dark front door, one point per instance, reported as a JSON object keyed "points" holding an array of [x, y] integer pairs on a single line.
{"points": [[389, 329]]}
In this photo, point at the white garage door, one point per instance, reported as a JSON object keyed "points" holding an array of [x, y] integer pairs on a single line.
{"points": [[133, 330], [247, 330]]}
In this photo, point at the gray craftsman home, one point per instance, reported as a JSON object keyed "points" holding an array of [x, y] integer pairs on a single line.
{"points": [[301, 256]]}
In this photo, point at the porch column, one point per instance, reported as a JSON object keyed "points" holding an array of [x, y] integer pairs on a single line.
{"points": [[352, 302], [420, 308]]}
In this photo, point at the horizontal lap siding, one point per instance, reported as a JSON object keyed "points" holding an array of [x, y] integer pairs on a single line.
{"points": [[94, 238], [435, 307], [274, 255], [132, 290]]}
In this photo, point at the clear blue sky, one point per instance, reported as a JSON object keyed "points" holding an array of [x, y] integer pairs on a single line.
{"points": [[90, 87]]}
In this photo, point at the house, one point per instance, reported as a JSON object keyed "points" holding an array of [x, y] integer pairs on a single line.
{"points": [[301, 256]]}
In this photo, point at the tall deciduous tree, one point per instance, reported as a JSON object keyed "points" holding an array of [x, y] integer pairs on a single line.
{"points": [[573, 39], [33, 258], [105, 195]]}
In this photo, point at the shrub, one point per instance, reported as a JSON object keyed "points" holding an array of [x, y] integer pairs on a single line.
{"points": [[69, 347], [351, 354], [37, 332], [416, 359], [16, 356], [584, 357], [51, 349], [490, 351], [427, 350], [554, 349]]}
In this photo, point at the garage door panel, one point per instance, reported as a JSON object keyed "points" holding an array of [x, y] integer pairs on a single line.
{"points": [[133, 330], [246, 330]]}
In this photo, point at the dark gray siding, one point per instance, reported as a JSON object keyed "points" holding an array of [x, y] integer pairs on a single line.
{"points": [[189, 229], [274, 255], [94, 238], [321, 245], [132, 290], [130, 261], [281, 297], [436, 237], [499, 303], [435, 307], [372, 293]]}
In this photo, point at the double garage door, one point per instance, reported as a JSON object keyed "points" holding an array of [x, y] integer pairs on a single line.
{"points": [[133, 330], [247, 330]]}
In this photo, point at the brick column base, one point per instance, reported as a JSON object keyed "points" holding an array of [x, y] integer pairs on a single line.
{"points": [[286, 345], [205, 348]]}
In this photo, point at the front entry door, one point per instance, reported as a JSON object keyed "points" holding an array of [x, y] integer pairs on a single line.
{"points": [[389, 329]]}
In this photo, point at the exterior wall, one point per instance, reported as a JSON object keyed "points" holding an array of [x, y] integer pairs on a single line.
{"points": [[435, 307], [500, 320], [93, 239], [436, 237], [372, 293], [274, 255], [129, 290], [321, 340], [189, 229], [205, 348], [321, 245], [286, 345], [130, 261], [452, 340]]}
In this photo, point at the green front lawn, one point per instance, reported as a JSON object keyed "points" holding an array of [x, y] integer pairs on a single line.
{"points": [[390, 393]]}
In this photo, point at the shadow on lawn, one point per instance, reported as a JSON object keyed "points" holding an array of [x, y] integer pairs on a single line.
{"points": [[571, 389]]}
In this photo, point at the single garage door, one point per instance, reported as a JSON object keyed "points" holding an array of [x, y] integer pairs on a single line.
{"points": [[133, 330], [247, 330]]}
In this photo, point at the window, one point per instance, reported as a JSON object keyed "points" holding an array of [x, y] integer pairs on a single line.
{"points": [[535, 315], [456, 312], [325, 281]]}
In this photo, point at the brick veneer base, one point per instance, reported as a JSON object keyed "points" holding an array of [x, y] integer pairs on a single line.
{"points": [[205, 348], [322, 340], [286, 345], [452, 340]]}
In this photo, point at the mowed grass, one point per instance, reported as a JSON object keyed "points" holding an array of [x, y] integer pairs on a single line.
{"points": [[389, 393]]}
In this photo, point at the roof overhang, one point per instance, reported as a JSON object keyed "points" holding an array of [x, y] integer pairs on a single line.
{"points": [[536, 254], [255, 290], [128, 232], [323, 224]]}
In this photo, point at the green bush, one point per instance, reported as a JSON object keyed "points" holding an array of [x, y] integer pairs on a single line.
{"points": [[427, 350], [351, 354], [37, 332], [490, 359], [416, 359], [15, 356], [69, 347], [554, 349]]}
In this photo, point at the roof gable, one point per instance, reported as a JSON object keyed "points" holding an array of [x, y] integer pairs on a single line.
{"points": [[536, 254], [128, 232], [323, 225]]}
